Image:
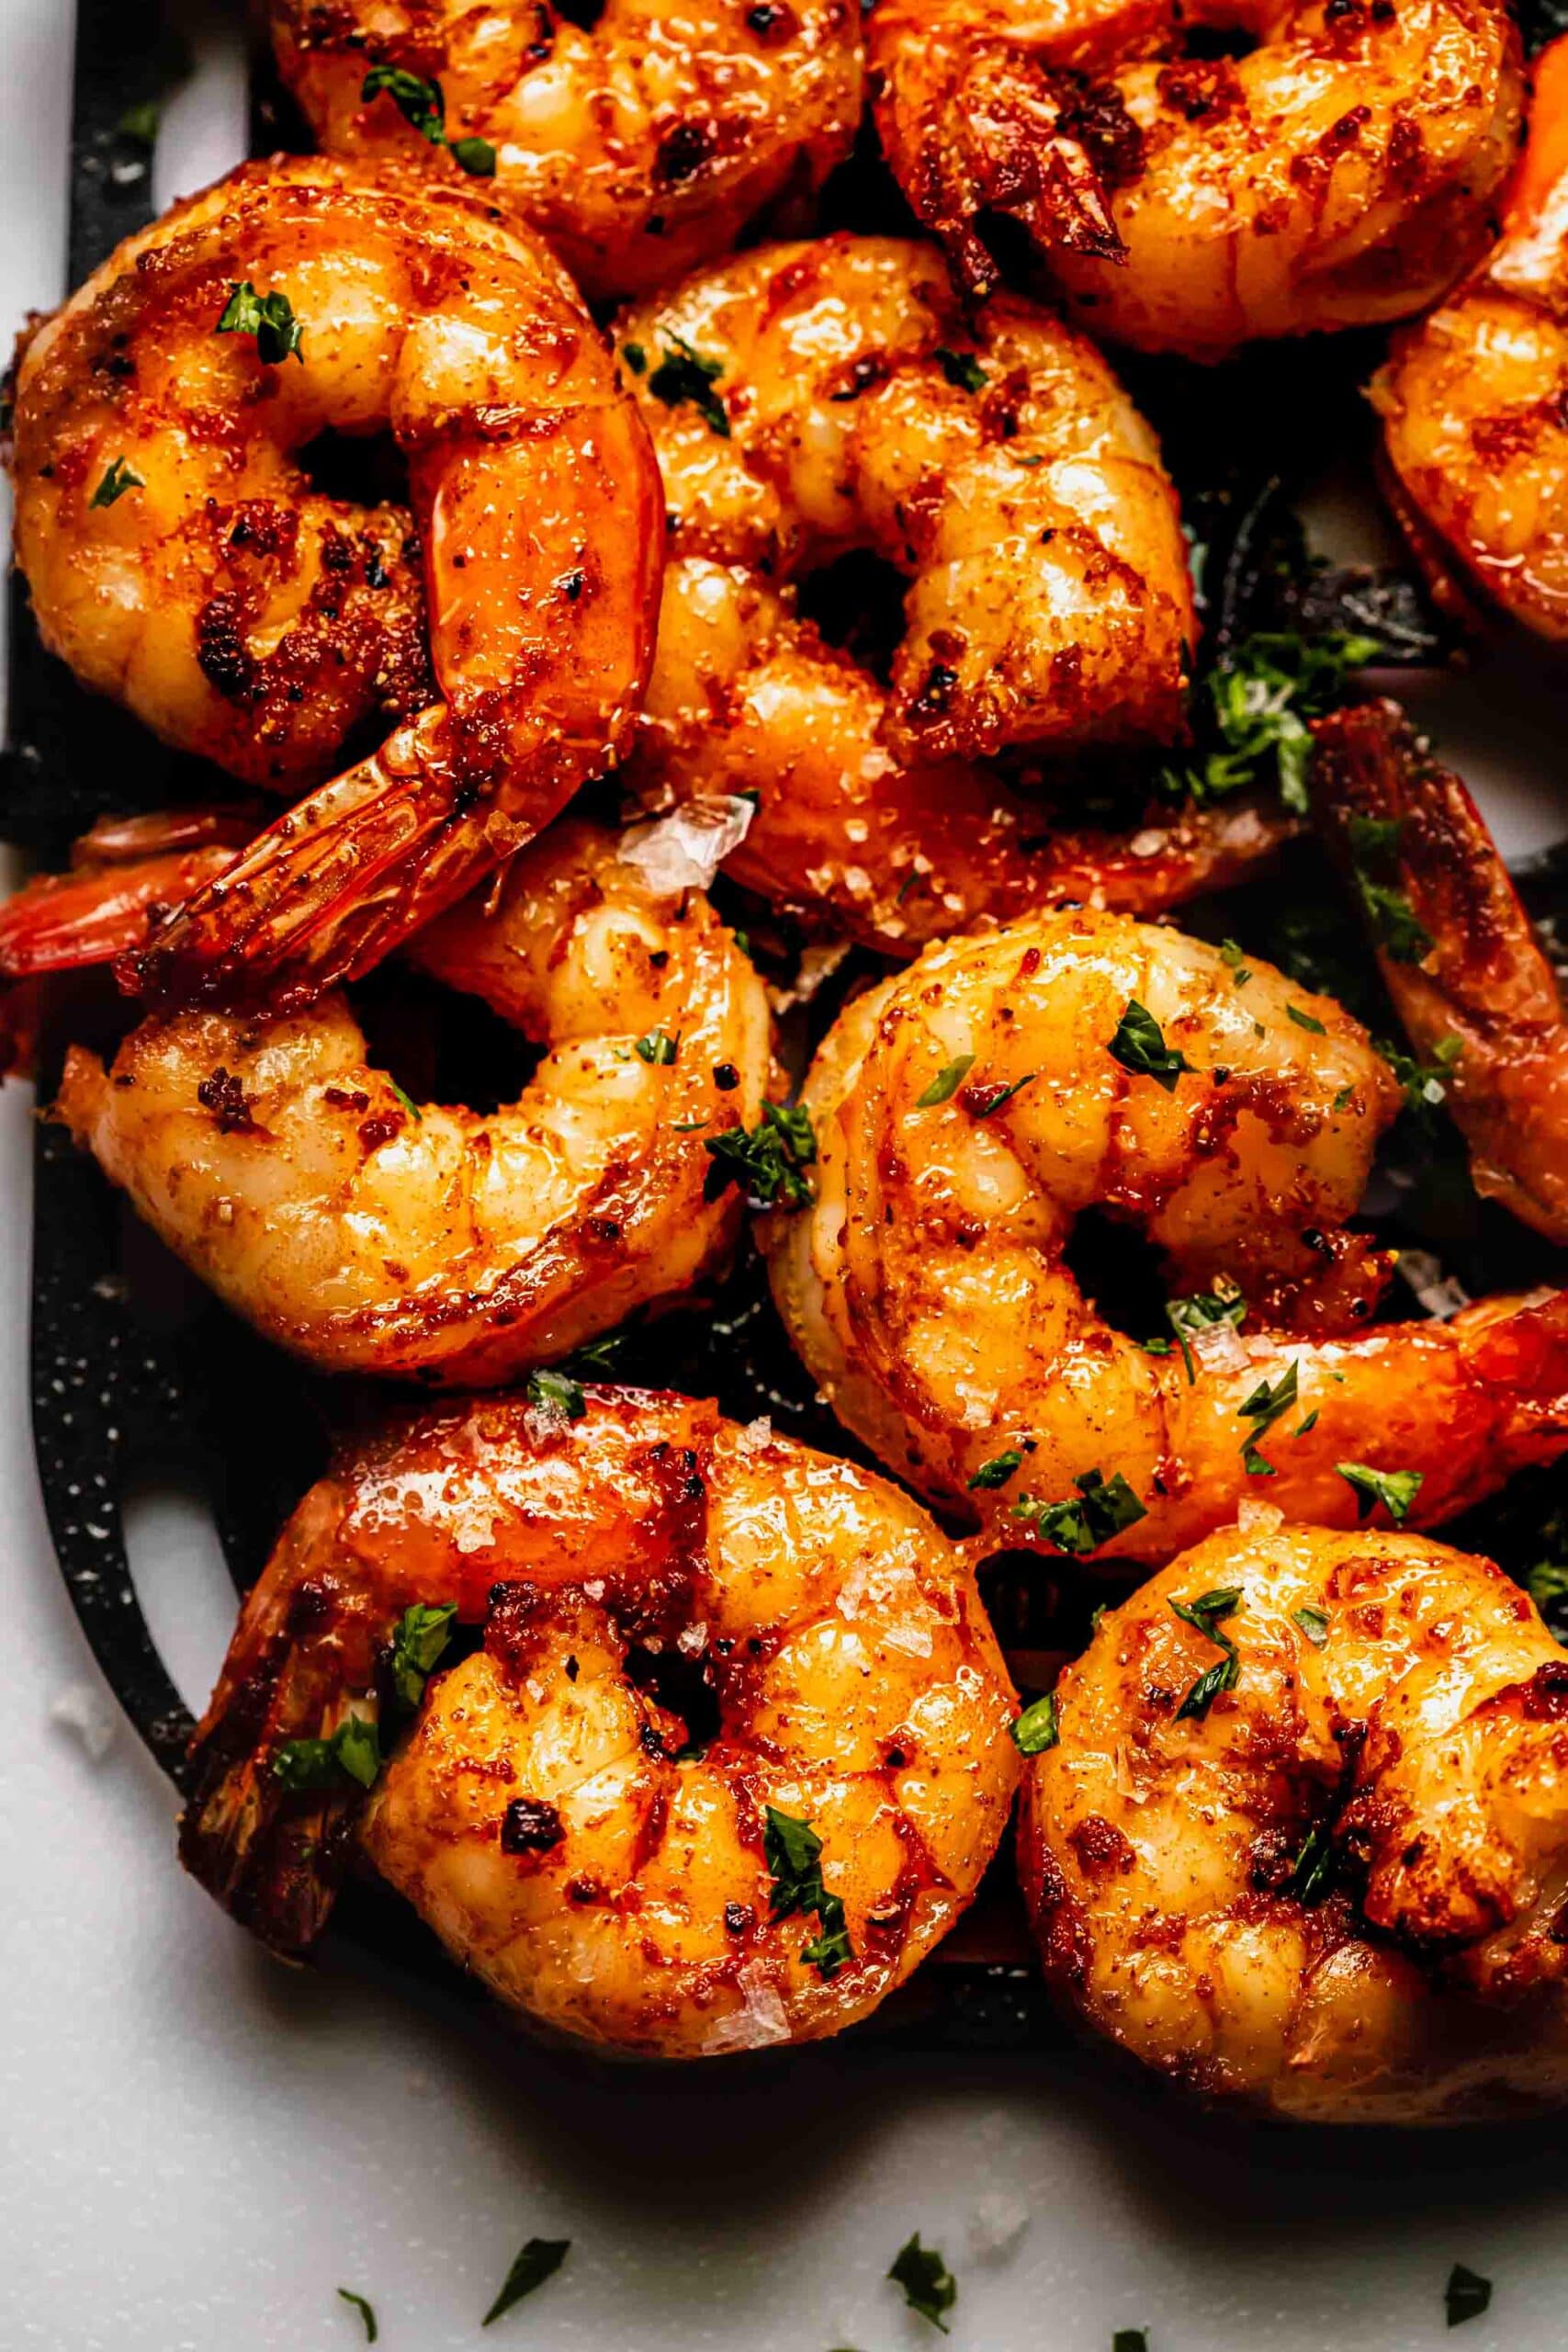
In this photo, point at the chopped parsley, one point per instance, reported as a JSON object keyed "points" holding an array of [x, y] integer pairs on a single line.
{"points": [[122, 476], [767, 1161], [1129, 2339], [1343, 1099], [1395, 926], [422, 1633], [1204, 1615], [963, 370], [1104, 1508], [658, 1049], [1200, 1311], [1546, 1585], [1139, 1046], [1424, 1083], [1313, 1624], [1229, 955], [1312, 1869], [140, 122], [793, 1850], [1466, 2295], [423, 107], [270, 317], [366, 2313], [557, 1394], [929, 2287], [1259, 706], [539, 2260], [635, 357], [996, 1471], [351, 1753], [946, 1083], [1306, 1021], [982, 1101], [1266, 1406], [683, 373], [1396, 1489], [1037, 1729], [408, 1103]]}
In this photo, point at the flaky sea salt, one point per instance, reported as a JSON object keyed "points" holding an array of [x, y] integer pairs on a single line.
{"points": [[91, 1713], [685, 850]]}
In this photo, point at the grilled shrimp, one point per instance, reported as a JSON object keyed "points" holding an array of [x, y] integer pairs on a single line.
{"points": [[1335, 1887], [179, 559], [1458, 952], [366, 1233], [638, 146], [731, 1758], [1338, 175], [807, 400], [1475, 431], [967, 1111]]}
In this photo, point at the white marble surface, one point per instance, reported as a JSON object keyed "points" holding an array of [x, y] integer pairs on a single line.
{"points": [[197, 2147]]}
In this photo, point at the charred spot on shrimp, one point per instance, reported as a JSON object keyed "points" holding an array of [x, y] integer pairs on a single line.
{"points": [[530, 1826]]}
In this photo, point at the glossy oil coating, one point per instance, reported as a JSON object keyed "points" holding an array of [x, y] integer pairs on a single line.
{"points": [[929, 1290], [364, 1231], [638, 145], [1338, 171], [807, 400], [1475, 436], [685, 1623], [252, 619], [1337, 1894]]}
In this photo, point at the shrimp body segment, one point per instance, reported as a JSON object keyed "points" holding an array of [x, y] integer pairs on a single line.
{"points": [[807, 400], [1339, 173], [637, 147], [180, 560], [688, 1626], [1458, 952], [970, 1110], [1475, 440], [1335, 1892], [366, 1232]]}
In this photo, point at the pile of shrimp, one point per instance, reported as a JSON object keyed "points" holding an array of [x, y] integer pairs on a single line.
{"points": [[733, 590]]}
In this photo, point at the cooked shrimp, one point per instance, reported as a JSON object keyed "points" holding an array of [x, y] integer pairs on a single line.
{"points": [[124, 874], [179, 560], [1335, 1888], [366, 1233], [1338, 175], [1458, 952], [691, 1629], [967, 1112], [1473, 400], [639, 145], [809, 399]]}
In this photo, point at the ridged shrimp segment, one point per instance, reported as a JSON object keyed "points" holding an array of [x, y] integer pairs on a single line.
{"points": [[969, 1111], [180, 558], [638, 144], [364, 1231], [689, 1630], [1337, 1890], [810, 400], [1337, 173]]}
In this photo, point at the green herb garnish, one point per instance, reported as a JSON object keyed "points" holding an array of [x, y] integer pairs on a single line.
{"points": [[422, 1633], [351, 1753], [539, 2260], [929, 2287], [767, 1161], [1396, 1489], [1204, 1615], [1313, 1624], [422, 104], [1200, 1311], [1037, 1729], [1466, 2295], [557, 1394], [1105, 1507], [683, 373], [122, 476], [1306, 1021], [996, 1471], [963, 370], [366, 2313], [1313, 1865], [270, 317], [1139, 1046], [658, 1049], [1395, 926], [792, 1850], [1266, 1406], [1259, 706], [946, 1083]]}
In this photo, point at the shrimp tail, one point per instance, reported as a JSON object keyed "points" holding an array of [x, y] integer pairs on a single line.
{"points": [[1518, 1355]]}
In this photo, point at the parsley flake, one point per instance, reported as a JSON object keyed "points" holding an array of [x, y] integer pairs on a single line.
{"points": [[1139, 1046], [366, 2313], [1266, 1406], [1305, 1021], [1466, 2295], [539, 2260], [1395, 926], [946, 1083], [1313, 1624], [122, 476], [767, 1161], [423, 106], [1204, 1615], [1230, 953], [1129, 2339], [1037, 1729], [658, 1049], [1312, 1869], [1105, 1507], [635, 357], [557, 1394], [683, 373], [996, 1471], [1259, 706], [270, 317], [929, 2287], [1200, 1311], [422, 1633], [1396, 1489], [351, 1753], [963, 370], [408, 1103], [793, 1850]]}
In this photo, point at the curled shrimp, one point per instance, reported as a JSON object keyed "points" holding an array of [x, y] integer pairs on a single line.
{"points": [[808, 399], [1339, 173], [690, 1630], [366, 1232], [969, 1109], [1472, 983], [1475, 442], [638, 146], [180, 561], [1334, 1888]]}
